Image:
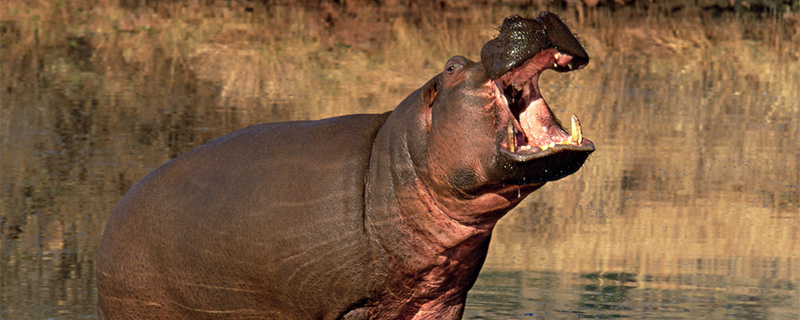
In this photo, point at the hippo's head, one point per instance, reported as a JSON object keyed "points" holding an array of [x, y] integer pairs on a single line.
{"points": [[490, 130]]}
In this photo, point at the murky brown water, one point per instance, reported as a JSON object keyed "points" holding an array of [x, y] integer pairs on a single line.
{"points": [[689, 208]]}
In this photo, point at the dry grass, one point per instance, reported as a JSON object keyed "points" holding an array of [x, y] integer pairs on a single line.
{"points": [[695, 117]]}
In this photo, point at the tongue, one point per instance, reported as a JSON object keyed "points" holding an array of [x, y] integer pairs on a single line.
{"points": [[540, 126]]}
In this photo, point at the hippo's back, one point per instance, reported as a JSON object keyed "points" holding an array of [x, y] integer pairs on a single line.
{"points": [[258, 223]]}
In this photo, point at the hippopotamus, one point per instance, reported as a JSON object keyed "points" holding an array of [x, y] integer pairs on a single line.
{"points": [[368, 216]]}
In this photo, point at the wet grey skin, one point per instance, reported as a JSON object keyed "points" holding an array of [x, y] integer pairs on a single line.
{"points": [[372, 216]]}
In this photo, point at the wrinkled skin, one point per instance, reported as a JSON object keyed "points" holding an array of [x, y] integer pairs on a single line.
{"points": [[356, 217]]}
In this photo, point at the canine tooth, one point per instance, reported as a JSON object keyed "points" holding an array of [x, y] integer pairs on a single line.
{"points": [[512, 136], [557, 55], [569, 65], [555, 64], [577, 131]]}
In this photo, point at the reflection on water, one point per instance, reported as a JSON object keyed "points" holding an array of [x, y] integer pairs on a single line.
{"points": [[688, 209], [551, 295]]}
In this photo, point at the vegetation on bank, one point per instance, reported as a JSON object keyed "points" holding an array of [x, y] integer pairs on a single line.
{"points": [[173, 75], [694, 109]]}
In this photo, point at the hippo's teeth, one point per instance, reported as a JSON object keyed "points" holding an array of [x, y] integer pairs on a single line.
{"points": [[569, 65], [577, 133], [512, 136]]}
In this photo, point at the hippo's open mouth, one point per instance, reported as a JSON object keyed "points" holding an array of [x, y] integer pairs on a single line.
{"points": [[532, 145], [534, 131]]}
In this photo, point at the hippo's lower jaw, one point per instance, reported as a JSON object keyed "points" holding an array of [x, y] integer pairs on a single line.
{"points": [[532, 147]]}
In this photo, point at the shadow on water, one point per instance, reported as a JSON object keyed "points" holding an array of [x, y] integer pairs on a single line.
{"points": [[688, 209]]}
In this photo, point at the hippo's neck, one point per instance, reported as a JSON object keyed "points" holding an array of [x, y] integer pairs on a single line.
{"points": [[430, 259]]}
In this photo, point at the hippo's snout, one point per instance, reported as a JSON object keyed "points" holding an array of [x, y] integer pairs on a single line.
{"points": [[532, 146], [520, 39]]}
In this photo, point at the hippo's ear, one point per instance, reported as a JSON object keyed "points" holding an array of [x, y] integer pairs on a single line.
{"points": [[430, 90]]}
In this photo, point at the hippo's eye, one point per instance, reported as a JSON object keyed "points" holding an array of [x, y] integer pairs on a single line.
{"points": [[452, 67], [454, 64]]}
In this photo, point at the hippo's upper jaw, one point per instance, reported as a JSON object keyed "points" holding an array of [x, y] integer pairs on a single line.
{"points": [[532, 146]]}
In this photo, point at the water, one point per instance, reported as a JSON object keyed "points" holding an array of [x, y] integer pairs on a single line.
{"points": [[688, 209], [552, 295]]}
